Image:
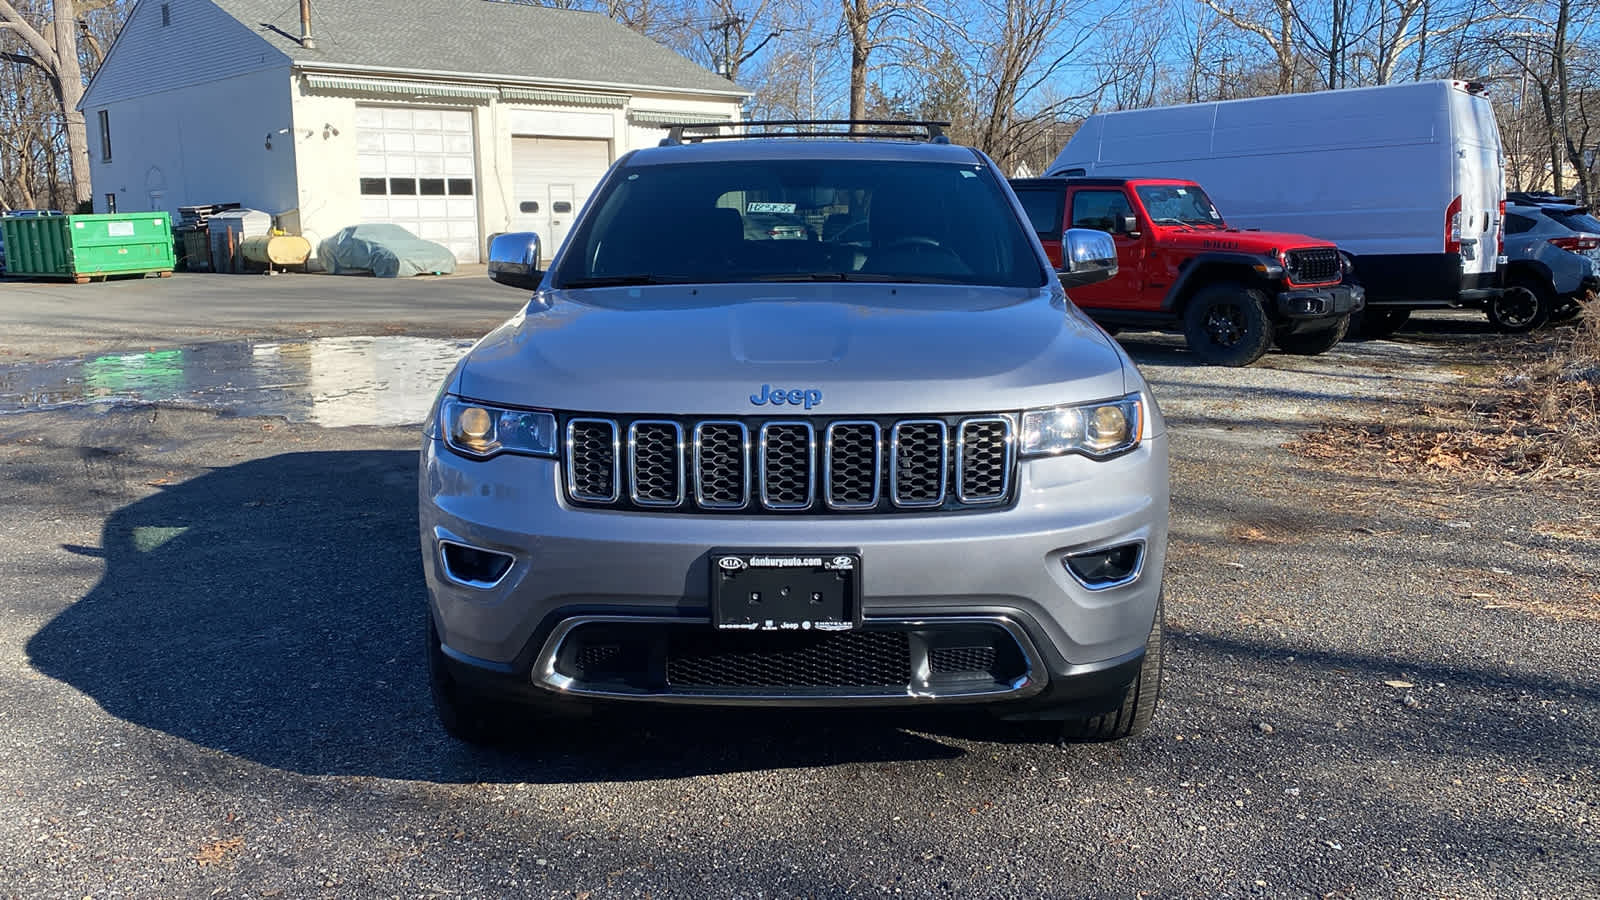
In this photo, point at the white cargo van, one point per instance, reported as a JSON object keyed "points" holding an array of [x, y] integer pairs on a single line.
{"points": [[1408, 178]]}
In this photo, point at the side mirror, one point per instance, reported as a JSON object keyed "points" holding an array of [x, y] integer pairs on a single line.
{"points": [[1127, 225], [514, 260], [1087, 257]]}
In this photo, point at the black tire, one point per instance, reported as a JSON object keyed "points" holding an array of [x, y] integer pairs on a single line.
{"points": [[464, 714], [1313, 341], [1137, 707], [1524, 305], [1373, 324], [1226, 324]]}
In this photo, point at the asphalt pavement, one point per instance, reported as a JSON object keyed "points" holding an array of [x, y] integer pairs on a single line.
{"points": [[213, 685]]}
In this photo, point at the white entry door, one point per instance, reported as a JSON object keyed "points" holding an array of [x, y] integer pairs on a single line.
{"points": [[552, 179]]}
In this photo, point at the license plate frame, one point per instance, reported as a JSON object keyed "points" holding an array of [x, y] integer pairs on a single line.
{"points": [[777, 589]]}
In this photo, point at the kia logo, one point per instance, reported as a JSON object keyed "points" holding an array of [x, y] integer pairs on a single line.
{"points": [[731, 563]]}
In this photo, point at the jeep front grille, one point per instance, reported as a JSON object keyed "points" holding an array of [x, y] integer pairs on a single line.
{"points": [[796, 465], [1312, 265]]}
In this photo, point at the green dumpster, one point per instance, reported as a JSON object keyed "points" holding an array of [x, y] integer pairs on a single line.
{"points": [[88, 246]]}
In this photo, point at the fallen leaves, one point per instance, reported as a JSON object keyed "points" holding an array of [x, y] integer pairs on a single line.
{"points": [[215, 852]]}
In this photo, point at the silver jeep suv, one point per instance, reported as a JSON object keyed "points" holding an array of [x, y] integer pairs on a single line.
{"points": [[883, 463]]}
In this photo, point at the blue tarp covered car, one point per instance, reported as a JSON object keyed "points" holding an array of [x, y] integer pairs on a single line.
{"points": [[387, 251]]}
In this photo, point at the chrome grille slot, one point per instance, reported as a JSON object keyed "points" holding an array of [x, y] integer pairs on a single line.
{"points": [[788, 476], [592, 473], [983, 460], [809, 465], [721, 465], [655, 453], [1312, 265], [854, 465], [918, 465]]}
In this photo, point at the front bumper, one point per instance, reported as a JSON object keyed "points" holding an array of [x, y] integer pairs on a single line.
{"points": [[1320, 303], [929, 576]]}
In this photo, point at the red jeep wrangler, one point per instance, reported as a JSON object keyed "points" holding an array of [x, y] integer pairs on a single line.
{"points": [[1232, 293]]}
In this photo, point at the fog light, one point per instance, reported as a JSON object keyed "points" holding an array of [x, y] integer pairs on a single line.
{"points": [[1108, 568], [472, 566]]}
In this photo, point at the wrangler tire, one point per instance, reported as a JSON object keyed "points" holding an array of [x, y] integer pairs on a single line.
{"points": [[1313, 341], [1226, 324]]}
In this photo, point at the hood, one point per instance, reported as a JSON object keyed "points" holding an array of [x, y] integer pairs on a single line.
{"points": [[844, 349], [1237, 240]]}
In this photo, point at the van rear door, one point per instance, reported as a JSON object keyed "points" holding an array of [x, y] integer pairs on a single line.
{"points": [[1475, 216]]}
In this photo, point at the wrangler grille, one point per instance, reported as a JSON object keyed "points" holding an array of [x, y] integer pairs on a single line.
{"points": [[791, 465], [1312, 265]]}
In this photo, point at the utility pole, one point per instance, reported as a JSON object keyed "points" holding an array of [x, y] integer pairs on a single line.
{"points": [[726, 26]]}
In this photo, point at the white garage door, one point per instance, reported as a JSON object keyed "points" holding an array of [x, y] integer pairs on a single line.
{"points": [[418, 171], [552, 180]]}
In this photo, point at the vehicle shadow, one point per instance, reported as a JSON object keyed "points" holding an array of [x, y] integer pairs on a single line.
{"points": [[274, 609]]}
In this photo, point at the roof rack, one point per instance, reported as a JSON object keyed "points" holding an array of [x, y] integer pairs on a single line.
{"points": [[932, 132]]}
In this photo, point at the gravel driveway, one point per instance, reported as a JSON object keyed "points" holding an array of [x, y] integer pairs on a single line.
{"points": [[212, 684]]}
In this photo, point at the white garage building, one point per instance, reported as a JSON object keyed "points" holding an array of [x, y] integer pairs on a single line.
{"points": [[456, 119]]}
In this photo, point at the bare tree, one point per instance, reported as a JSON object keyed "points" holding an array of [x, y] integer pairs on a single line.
{"points": [[1273, 22], [864, 23], [53, 49]]}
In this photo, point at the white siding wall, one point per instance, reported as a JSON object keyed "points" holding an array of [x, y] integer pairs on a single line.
{"points": [[203, 44], [329, 172], [205, 143]]}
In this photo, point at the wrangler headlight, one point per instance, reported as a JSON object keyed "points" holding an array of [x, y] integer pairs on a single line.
{"points": [[480, 430], [1099, 430]]}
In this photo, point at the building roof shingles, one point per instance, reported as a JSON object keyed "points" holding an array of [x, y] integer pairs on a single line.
{"points": [[476, 38]]}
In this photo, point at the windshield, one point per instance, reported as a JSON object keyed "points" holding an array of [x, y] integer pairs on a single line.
{"points": [[1179, 204], [801, 220]]}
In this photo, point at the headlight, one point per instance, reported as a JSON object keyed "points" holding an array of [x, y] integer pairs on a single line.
{"points": [[479, 430], [1093, 429]]}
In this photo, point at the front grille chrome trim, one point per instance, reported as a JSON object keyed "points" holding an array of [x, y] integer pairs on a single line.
{"points": [[1008, 460], [811, 464], [744, 465], [919, 690], [877, 464], [633, 463], [616, 462], [944, 464]]}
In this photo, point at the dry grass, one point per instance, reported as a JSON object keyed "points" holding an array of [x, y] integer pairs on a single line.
{"points": [[1537, 417]]}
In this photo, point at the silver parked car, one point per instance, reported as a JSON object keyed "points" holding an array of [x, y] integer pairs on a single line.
{"points": [[1553, 251], [701, 469]]}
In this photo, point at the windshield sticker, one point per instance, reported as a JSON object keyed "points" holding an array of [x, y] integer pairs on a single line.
{"points": [[1182, 192], [770, 208], [967, 174]]}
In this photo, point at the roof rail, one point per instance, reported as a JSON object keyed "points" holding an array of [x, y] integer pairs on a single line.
{"points": [[904, 129]]}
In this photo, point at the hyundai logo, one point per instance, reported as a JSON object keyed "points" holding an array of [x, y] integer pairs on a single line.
{"points": [[807, 397]]}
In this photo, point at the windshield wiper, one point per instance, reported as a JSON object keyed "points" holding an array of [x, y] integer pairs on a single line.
{"points": [[873, 277], [1179, 222], [621, 281], [800, 276]]}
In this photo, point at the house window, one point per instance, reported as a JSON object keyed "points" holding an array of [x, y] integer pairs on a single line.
{"points": [[166, 15], [461, 187], [105, 135], [405, 187], [111, 203], [371, 186], [431, 187]]}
